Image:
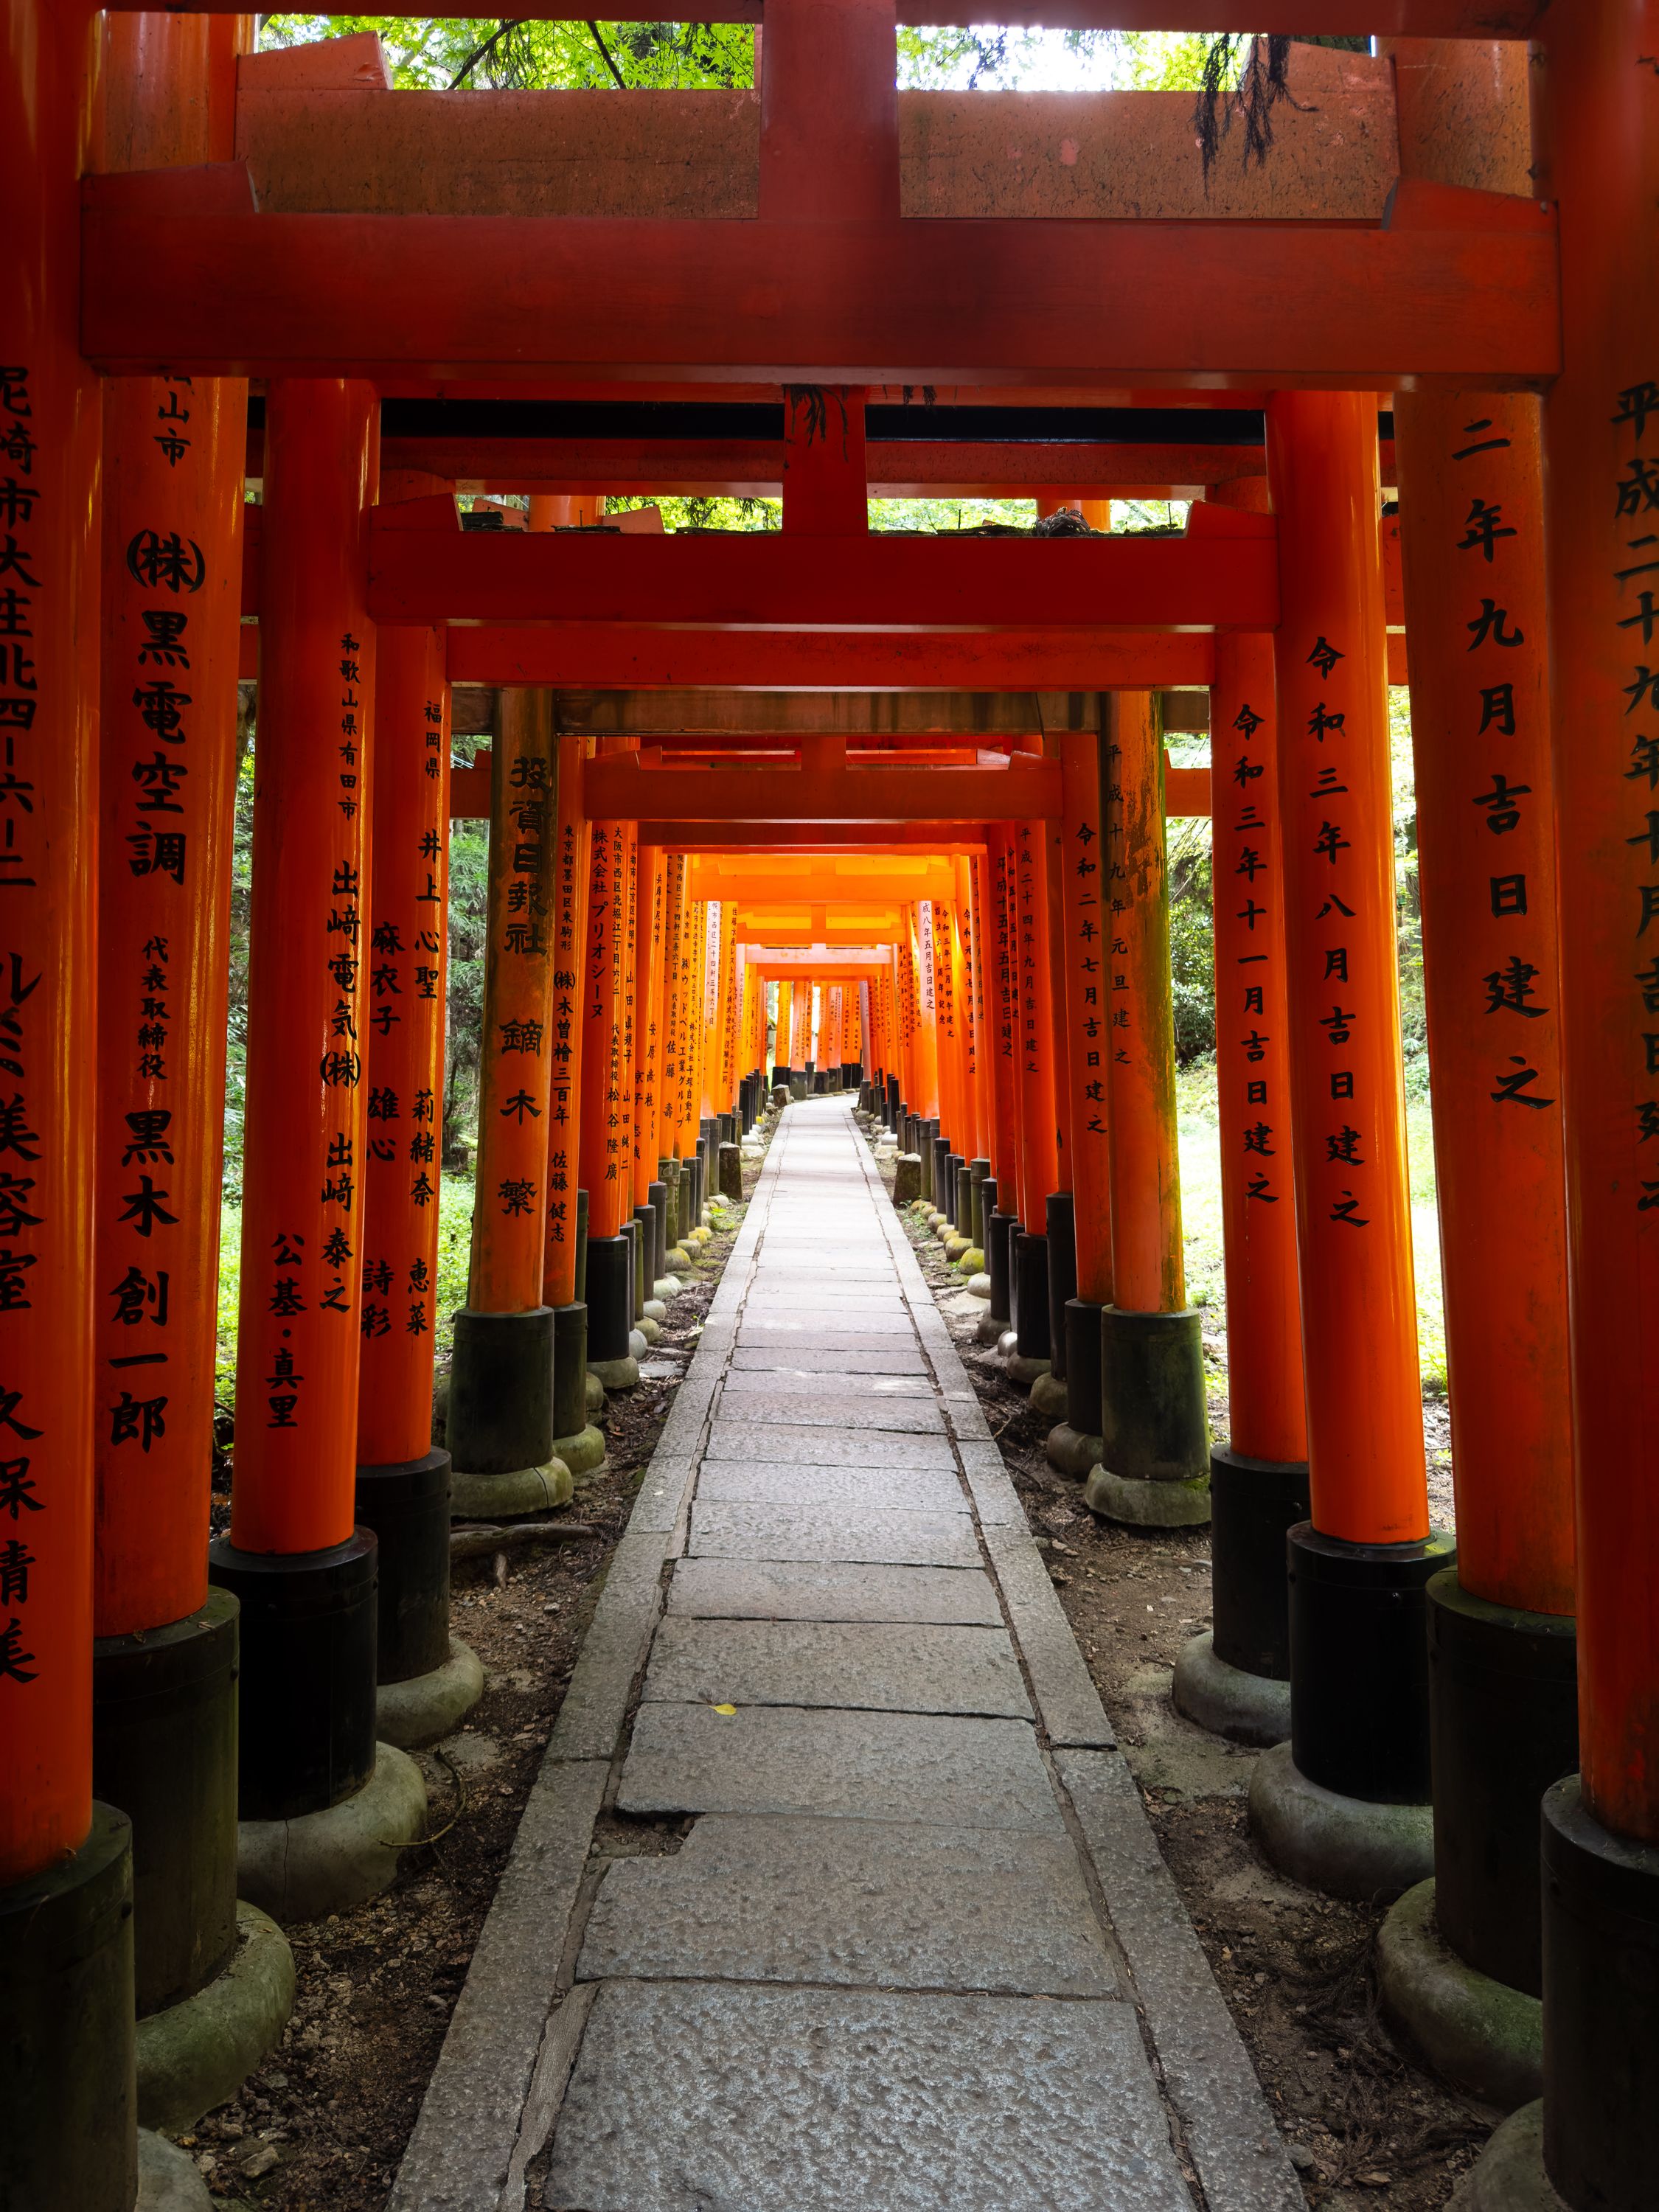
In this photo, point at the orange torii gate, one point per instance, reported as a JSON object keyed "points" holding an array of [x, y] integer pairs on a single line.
{"points": [[1457, 293]]}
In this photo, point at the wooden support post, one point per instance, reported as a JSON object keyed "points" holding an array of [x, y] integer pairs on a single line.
{"points": [[65, 1862], [500, 1398], [1074, 1444], [1154, 1466], [164, 1685], [669, 1165], [1039, 1116], [610, 1304], [1600, 166], [1049, 1392], [1472, 532], [306, 1577], [994, 871], [1237, 1679], [650, 1192], [1358, 1668], [403, 1482]]}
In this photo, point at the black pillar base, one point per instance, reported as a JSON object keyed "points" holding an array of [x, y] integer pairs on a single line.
{"points": [[964, 1222], [658, 1195], [1359, 1664], [1601, 2008], [500, 1389], [581, 1243], [941, 1147], [407, 1506], [979, 1174], [67, 2086], [1254, 1502], [640, 1233], [668, 1174], [1081, 1333], [1154, 1412], [569, 1370], [307, 1728], [956, 1175], [164, 1750], [1031, 1296], [1061, 1225], [610, 1298], [999, 1233], [1504, 1728]]}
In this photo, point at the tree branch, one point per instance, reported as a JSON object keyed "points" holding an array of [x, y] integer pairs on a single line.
{"points": [[606, 50]]}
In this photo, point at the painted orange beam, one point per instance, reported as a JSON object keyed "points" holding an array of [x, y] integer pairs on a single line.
{"points": [[441, 573], [618, 786], [753, 468], [624, 656], [1425, 19], [179, 273], [631, 656]]}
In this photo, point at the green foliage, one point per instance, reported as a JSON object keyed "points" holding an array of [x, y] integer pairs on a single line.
{"points": [[715, 513], [438, 52], [1192, 942]]}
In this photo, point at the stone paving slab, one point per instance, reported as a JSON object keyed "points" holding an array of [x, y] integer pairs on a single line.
{"points": [[792, 1589], [895, 1668], [885, 1538], [764, 1324], [729, 1438], [817, 1359], [941, 1768], [706, 2097], [878, 1412], [847, 1489], [774, 1383], [875, 1904]]}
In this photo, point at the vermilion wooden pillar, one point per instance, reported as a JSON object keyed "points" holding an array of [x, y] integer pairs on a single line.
{"points": [[1039, 1171], [668, 1165], [781, 1040], [1073, 1444], [1600, 166], [66, 2041], [403, 1481], [1002, 1045], [1472, 537], [1358, 1658], [1049, 1392], [609, 1301], [1236, 1678], [501, 1426], [1154, 1467], [166, 1657], [650, 1193], [305, 1577]]}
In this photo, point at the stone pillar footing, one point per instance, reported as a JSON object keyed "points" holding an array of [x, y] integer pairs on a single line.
{"points": [[197, 2054], [1048, 1396], [329, 1862], [1068, 1451], [1345, 1846], [583, 1453], [1147, 1505], [168, 2177], [990, 1328], [1479, 2035], [520, 1491], [1245, 1708], [1508, 2175], [1025, 1371], [428, 1706]]}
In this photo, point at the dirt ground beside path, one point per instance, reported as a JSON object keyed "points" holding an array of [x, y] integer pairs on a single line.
{"points": [[1367, 2126], [323, 2126]]}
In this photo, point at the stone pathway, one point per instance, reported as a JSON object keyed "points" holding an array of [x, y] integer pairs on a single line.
{"points": [[918, 1949]]}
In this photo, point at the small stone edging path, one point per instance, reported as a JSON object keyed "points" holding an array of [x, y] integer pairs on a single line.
{"points": [[918, 1949]]}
